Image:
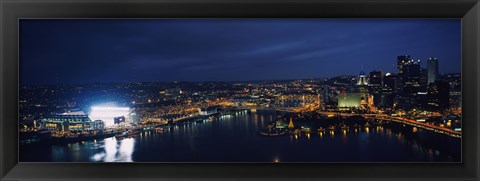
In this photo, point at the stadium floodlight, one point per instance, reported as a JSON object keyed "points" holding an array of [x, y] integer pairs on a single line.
{"points": [[107, 114]]}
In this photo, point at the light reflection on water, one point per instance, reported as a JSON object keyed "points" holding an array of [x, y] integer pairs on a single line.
{"points": [[116, 150], [235, 139]]}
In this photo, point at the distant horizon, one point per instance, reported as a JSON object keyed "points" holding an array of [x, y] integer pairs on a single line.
{"points": [[217, 81], [62, 51]]}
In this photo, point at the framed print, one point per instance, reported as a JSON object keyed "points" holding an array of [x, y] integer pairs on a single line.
{"points": [[199, 90], [239, 90]]}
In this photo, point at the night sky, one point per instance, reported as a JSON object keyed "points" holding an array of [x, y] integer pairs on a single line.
{"points": [[73, 51]]}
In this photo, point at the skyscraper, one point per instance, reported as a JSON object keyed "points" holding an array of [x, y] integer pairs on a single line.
{"points": [[376, 79], [409, 98], [423, 79], [401, 61], [438, 94], [455, 82], [390, 80], [375, 83], [432, 70], [411, 77]]}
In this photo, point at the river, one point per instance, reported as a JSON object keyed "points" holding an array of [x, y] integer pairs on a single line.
{"points": [[235, 139]]}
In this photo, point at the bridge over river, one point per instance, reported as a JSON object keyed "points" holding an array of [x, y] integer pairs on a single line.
{"points": [[254, 108], [408, 121]]}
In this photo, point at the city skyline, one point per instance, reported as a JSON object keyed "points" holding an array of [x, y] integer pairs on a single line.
{"points": [[240, 90], [238, 81], [121, 51]]}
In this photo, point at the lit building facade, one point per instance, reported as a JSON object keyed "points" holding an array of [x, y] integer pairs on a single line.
{"points": [[349, 100], [411, 84], [362, 79], [411, 77], [207, 110], [71, 121], [455, 82], [98, 125]]}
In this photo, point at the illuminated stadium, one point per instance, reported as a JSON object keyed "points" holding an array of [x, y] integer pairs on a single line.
{"points": [[107, 114]]}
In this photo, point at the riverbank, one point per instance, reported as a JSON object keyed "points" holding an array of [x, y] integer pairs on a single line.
{"points": [[234, 139]]}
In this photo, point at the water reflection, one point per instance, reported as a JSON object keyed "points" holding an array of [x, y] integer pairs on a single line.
{"points": [[126, 150], [235, 139], [116, 151]]}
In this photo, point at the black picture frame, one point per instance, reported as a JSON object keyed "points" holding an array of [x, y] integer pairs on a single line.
{"points": [[12, 10]]}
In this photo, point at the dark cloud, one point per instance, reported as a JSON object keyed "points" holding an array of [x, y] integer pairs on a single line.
{"points": [[85, 51]]}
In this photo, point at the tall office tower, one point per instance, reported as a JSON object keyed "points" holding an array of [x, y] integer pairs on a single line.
{"points": [[376, 79], [401, 61], [411, 85], [432, 67], [411, 77], [438, 95], [455, 81], [423, 79], [375, 82], [390, 80]]}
